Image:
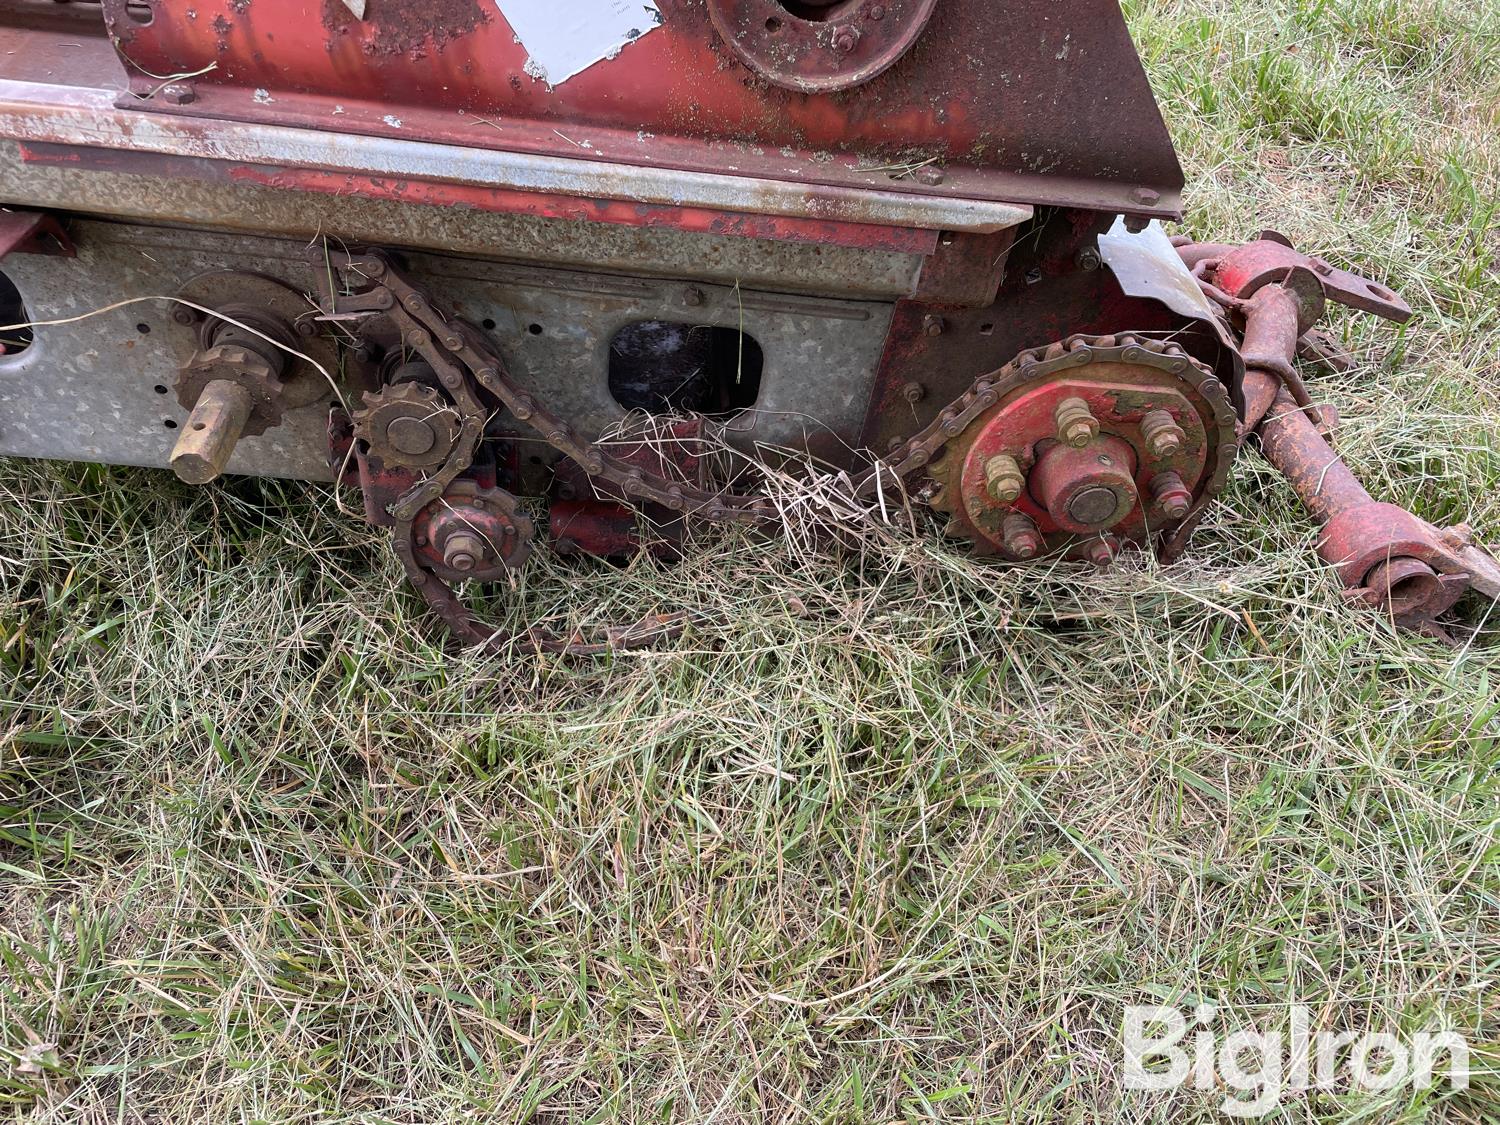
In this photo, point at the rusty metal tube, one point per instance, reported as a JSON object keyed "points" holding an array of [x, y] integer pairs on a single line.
{"points": [[212, 431], [1318, 475], [1260, 389], [1194, 252], [1271, 329], [1374, 546]]}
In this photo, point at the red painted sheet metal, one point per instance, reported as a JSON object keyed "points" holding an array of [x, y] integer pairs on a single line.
{"points": [[1014, 100]]}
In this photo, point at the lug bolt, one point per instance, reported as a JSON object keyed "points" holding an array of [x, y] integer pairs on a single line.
{"points": [[913, 392], [1076, 424], [1171, 495], [463, 551], [1020, 537], [1162, 434], [1004, 477], [845, 39], [1102, 551]]}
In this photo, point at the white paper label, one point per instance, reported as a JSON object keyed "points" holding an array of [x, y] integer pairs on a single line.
{"points": [[564, 37]]}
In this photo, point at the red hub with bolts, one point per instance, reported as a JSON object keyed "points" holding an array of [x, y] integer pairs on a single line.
{"points": [[1086, 489], [472, 532], [1082, 455]]}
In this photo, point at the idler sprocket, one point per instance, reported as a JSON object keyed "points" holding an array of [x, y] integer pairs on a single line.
{"points": [[408, 425], [472, 533]]}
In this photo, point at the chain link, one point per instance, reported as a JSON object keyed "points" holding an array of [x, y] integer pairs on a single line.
{"points": [[463, 359]]}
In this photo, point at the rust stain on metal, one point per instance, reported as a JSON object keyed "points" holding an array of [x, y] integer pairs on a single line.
{"points": [[412, 30]]}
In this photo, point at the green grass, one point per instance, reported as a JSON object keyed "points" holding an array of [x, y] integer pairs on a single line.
{"points": [[881, 842]]}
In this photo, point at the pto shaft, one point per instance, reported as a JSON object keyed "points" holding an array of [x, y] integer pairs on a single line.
{"points": [[213, 430]]}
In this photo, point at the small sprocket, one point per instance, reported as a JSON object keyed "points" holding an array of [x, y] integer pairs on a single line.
{"points": [[409, 425]]}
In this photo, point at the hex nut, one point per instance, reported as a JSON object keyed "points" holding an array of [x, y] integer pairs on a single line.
{"points": [[1102, 551], [1076, 424], [1161, 433], [1004, 479], [1172, 496], [1020, 537]]}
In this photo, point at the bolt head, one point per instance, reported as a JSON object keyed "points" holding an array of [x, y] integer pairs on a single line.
{"points": [[1020, 537], [178, 93], [692, 296], [1164, 445], [1004, 479], [1025, 545], [1145, 196], [1101, 553], [931, 176], [913, 392], [933, 325], [182, 316], [1088, 259], [1174, 507], [845, 39], [1078, 434], [463, 552], [1006, 490], [876, 12]]}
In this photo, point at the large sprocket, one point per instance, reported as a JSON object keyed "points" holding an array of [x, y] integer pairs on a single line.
{"points": [[1089, 443]]}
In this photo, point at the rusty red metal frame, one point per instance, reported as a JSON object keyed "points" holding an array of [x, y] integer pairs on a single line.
{"points": [[452, 72], [787, 228], [33, 232]]}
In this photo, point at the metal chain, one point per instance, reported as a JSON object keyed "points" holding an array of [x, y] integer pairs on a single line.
{"points": [[462, 358]]}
